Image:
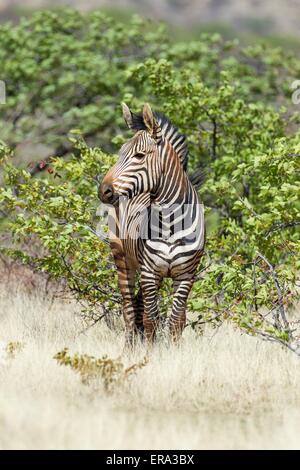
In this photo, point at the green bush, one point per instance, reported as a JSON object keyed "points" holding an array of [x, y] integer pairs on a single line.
{"points": [[234, 105], [60, 212], [65, 70]]}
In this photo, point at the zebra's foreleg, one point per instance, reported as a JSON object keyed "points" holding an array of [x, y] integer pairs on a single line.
{"points": [[177, 318], [126, 280], [149, 283]]}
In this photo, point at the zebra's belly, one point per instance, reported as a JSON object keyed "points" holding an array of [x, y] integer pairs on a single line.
{"points": [[170, 259]]}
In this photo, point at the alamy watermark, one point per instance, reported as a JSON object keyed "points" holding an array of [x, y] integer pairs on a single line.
{"points": [[296, 93], [166, 223]]}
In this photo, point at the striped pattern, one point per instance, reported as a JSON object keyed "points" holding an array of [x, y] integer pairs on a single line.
{"points": [[160, 222]]}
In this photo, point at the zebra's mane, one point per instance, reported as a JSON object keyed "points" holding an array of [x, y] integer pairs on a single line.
{"points": [[169, 133]]}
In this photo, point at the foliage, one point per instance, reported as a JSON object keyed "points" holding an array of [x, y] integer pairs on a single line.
{"points": [[111, 372], [9, 351], [255, 249], [13, 348], [233, 103]]}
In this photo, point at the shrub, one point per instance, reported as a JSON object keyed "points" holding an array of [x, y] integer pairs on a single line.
{"points": [[111, 372], [60, 212]]}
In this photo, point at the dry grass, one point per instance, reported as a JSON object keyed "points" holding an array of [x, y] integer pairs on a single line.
{"points": [[222, 390]]}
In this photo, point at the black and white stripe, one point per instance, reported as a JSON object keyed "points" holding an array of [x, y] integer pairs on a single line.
{"points": [[161, 222]]}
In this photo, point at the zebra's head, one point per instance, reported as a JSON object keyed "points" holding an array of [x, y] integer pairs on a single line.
{"points": [[138, 168]]}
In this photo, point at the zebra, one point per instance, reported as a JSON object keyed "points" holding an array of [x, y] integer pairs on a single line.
{"points": [[167, 238]]}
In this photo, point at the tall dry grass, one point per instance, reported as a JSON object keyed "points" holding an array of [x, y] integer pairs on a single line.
{"points": [[221, 390]]}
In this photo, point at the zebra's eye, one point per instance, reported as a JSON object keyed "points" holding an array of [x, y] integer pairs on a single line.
{"points": [[139, 155]]}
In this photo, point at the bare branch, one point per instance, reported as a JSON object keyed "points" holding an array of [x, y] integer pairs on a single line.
{"points": [[281, 226]]}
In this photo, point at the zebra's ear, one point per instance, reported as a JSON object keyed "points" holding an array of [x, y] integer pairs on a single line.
{"points": [[150, 120], [127, 115]]}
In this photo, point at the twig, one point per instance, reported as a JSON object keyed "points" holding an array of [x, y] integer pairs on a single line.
{"points": [[280, 296], [280, 226]]}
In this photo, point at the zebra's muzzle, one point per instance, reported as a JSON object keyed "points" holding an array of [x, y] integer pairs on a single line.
{"points": [[106, 193]]}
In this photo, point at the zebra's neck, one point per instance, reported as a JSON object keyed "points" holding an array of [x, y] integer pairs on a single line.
{"points": [[173, 208], [174, 187]]}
